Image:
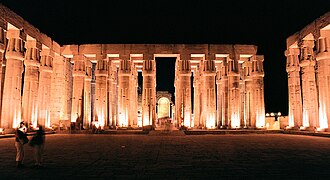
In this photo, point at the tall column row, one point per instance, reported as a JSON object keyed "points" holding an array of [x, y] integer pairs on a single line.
{"points": [[230, 93], [309, 82]]}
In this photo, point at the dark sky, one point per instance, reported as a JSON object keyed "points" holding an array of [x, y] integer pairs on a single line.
{"points": [[264, 23]]}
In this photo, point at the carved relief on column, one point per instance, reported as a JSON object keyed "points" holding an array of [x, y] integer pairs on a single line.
{"points": [[178, 121], [101, 74], [113, 93], [222, 92], [87, 120], [79, 73], [258, 103], [11, 101], [197, 97], [249, 112], [46, 70], [149, 93], [184, 89], [209, 95], [323, 78], [133, 96], [3, 27], [234, 92], [309, 91], [58, 95], [295, 101], [242, 92], [31, 82], [124, 74]]}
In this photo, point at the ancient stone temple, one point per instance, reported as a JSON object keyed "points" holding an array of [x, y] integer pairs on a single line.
{"points": [[308, 68], [42, 82]]}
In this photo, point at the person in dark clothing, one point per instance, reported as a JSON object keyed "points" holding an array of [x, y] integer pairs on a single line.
{"points": [[20, 140], [37, 142]]}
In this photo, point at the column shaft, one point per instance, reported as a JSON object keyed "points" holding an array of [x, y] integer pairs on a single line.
{"points": [[2, 60], [149, 93], [88, 96], [323, 80], [31, 83], [101, 103], [46, 69], [209, 95], [124, 74], [295, 101], [78, 89], [234, 94], [11, 101]]}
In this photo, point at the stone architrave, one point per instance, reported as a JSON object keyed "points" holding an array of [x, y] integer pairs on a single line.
{"points": [[12, 100]]}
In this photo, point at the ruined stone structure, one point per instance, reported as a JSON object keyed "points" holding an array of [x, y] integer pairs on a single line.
{"points": [[308, 68], [45, 83]]}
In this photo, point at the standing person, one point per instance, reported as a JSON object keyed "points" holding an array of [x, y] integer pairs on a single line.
{"points": [[20, 140], [37, 142]]}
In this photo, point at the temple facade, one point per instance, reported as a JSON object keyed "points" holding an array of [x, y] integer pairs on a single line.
{"points": [[42, 82], [308, 68]]}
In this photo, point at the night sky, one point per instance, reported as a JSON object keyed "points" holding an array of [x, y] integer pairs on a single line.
{"points": [[263, 23]]}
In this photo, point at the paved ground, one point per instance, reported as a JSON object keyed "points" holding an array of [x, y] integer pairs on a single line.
{"points": [[239, 156]]}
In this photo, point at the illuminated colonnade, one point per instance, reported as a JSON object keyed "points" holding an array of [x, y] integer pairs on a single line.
{"points": [[308, 68], [48, 84]]}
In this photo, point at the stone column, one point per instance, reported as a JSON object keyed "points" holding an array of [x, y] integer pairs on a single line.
{"points": [[31, 82], [234, 93], [45, 73], [248, 89], [59, 95], [133, 97], [258, 107], [101, 74], [323, 78], [197, 101], [68, 89], [88, 96], [149, 93], [184, 72], [295, 101], [3, 27], [78, 88], [124, 74], [113, 102], [178, 119], [224, 94], [242, 92], [11, 101], [208, 95], [309, 91]]}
